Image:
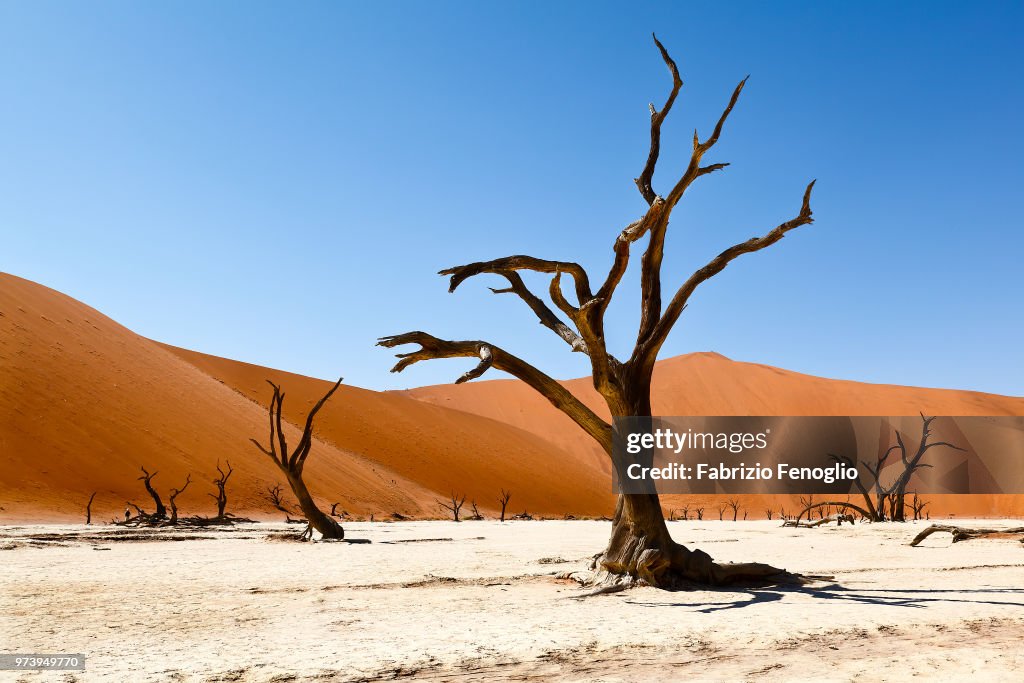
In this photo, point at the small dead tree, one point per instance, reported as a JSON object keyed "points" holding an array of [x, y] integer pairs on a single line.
{"points": [[768, 513], [453, 505], [476, 516], [221, 483], [146, 479], [700, 513], [173, 498], [88, 509], [640, 547], [503, 499], [734, 505], [917, 505], [291, 464], [721, 512], [686, 513]]}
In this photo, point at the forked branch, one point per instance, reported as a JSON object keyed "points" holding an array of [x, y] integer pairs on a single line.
{"points": [[643, 182], [492, 356], [716, 265]]}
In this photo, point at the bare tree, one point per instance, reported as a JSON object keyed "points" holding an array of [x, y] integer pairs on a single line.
{"points": [[721, 512], [172, 499], [700, 513], [640, 547], [686, 512], [891, 498], [88, 508], [476, 516], [292, 464], [146, 479], [503, 499], [917, 505], [768, 513], [734, 504], [453, 505], [221, 482]]}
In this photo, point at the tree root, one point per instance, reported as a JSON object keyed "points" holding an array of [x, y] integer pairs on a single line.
{"points": [[965, 533], [679, 568]]}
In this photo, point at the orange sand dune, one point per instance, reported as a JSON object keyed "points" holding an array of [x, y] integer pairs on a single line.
{"points": [[84, 402], [711, 384]]}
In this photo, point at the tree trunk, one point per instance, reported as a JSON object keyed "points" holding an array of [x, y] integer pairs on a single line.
{"points": [[641, 549], [319, 520], [161, 511]]}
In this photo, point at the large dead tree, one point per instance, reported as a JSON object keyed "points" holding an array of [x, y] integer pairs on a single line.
{"points": [[221, 482], [146, 479], [640, 548], [291, 463]]}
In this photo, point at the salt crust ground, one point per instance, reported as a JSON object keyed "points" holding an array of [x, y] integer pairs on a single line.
{"points": [[478, 602]]}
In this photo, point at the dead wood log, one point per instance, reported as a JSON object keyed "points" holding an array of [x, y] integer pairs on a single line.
{"points": [[962, 533]]}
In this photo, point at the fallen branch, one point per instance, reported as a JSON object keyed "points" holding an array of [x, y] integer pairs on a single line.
{"points": [[964, 533]]}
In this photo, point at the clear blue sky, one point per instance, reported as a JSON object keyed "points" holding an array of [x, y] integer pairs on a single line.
{"points": [[280, 182]]}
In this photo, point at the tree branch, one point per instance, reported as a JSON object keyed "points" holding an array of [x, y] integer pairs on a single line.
{"points": [[507, 268], [643, 182], [492, 356], [717, 265], [544, 314], [460, 274]]}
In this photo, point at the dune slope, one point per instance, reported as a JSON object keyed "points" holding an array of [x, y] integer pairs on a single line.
{"points": [[84, 402]]}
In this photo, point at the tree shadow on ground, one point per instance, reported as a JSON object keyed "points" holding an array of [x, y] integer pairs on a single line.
{"points": [[915, 598]]}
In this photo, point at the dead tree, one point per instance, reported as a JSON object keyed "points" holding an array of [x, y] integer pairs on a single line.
{"points": [[476, 516], [911, 464], [733, 504], [721, 512], [292, 464], [503, 499], [686, 513], [172, 499], [221, 482], [641, 547], [453, 505], [88, 509], [146, 479], [768, 513], [917, 505], [700, 513], [961, 533], [890, 500]]}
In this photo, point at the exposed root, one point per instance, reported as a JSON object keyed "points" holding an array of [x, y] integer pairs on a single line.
{"points": [[676, 567]]}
